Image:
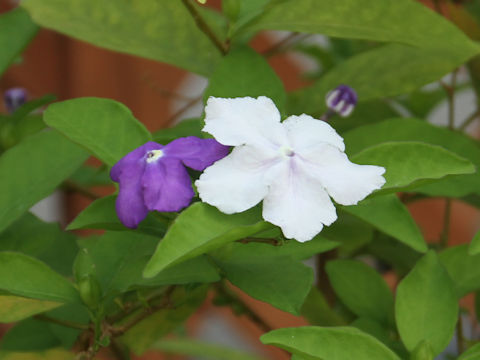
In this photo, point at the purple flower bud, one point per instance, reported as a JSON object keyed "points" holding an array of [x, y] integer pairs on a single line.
{"points": [[153, 176], [14, 98], [342, 100]]}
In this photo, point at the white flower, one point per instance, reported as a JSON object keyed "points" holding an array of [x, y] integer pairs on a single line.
{"points": [[294, 166]]}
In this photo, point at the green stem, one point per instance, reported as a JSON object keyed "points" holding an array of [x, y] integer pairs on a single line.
{"points": [[203, 26]]}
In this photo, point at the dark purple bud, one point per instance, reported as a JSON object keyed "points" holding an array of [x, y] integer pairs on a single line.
{"points": [[342, 100], [14, 98]]}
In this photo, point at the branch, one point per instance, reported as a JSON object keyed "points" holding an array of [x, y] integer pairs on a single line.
{"points": [[203, 26]]}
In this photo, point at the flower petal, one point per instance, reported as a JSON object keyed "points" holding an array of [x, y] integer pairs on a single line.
{"points": [[166, 185], [244, 120], [132, 158], [237, 182], [129, 204], [304, 131], [196, 153], [297, 202], [346, 182]]}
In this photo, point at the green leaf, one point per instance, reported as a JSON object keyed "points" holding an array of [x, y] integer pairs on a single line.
{"points": [[104, 127], [362, 290], [31, 106], [426, 307], [143, 335], [119, 259], [44, 241], [278, 280], [15, 308], [380, 20], [474, 248], [385, 71], [39, 163], [335, 343], [196, 348], [50, 354], [29, 335], [462, 267], [316, 310], [423, 351], [388, 214], [189, 127], [101, 214], [418, 130], [154, 29], [472, 353], [409, 163], [26, 276], [244, 72], [17, 31], [211, 228]]}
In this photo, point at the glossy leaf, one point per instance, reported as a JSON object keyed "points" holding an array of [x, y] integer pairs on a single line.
{"points": [[426, 307], [362, 290], [381, 20], [211, 228], [39, 163], [278, 280], [385, 71], [409, 163], [101, 214], [15, 308], [317, 311], [388, 214], [329, 343], [17, 31], [188, 127], [244, 72], [462, 267], [418, 130], [33, 279], [472, 353], [153, 29], [106, 128]]}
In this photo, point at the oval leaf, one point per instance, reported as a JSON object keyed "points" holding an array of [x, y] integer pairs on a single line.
{"points": [[155, 29], [199, 229], [329, 343], [35, 167], [104, 127], [362, 290], [26, 276], [426, 307], [15, 308], [407, 163]]}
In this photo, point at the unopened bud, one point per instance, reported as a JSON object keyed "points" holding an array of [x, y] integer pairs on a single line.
{"points": [[14, 98], [342, 100]]}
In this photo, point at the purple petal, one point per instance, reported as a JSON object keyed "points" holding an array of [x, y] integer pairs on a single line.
{"points": [[196, 153], [166, 185], [14, 98], [131, 158], [129, 205]]}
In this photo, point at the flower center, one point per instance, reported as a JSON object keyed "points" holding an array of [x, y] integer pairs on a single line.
{"points": [[154, 155], [287, 151]]}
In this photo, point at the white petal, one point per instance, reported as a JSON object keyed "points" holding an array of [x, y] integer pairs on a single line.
{"points": [[237, 182], [346, 182], [244, 120], [304, 131], [297, 202]]}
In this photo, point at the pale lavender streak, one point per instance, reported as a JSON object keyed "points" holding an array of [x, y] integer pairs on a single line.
{"points": [[14, 98], [342, 99], [162, 184]]}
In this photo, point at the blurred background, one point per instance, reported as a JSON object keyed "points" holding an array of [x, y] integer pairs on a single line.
{"points": [[160, 95]]}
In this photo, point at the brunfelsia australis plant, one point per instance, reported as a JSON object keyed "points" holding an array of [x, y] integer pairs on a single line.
{"points": [[243, 194]]}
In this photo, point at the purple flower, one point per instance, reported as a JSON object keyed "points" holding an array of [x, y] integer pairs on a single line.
{"points": [[342, 100], [153, 176], [14, 98]]}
